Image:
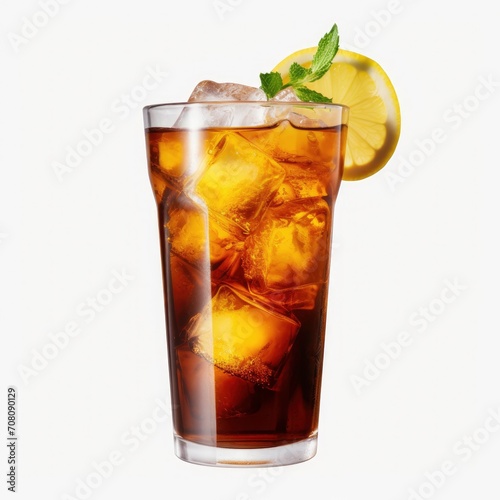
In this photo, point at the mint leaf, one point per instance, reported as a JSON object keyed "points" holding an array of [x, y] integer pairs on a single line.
{"points": [[297, 73], [271, 83], [308, 95], [327, 48]]}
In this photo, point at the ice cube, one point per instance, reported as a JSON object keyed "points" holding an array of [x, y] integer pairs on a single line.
{"points": [[173, 155], [292, 143], [208, 90], [207, 115], [159, 182], [199, 238], [169, 153], [290, 248], [207, 387], [187, 229], [300, 115], [239, 182], [237, 334], [166, 162], [191, 290], [276, 113], [301, 297], [286, 95], [303, 181]]}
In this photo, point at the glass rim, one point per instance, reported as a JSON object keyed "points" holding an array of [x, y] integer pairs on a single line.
{"points": [[167, 115], [303, 104]]}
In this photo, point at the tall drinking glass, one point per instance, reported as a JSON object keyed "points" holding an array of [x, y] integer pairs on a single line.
{"points": [[245, 194]]}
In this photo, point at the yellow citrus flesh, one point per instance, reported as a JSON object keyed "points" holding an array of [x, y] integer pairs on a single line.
{"points": [[374, 116]]}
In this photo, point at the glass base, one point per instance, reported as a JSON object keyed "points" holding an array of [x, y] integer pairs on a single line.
{"points": [[287, 454]]}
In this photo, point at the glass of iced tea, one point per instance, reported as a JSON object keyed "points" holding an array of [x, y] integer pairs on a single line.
{"points": [[245, 194]]}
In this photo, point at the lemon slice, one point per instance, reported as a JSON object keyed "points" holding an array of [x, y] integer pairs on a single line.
{"points": [[374, 117]]}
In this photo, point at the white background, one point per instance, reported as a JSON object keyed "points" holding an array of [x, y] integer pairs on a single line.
{"points": [[395, 248]]}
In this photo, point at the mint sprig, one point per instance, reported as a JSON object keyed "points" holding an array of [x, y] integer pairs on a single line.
{"points": [[272, 83], [308, 95]]}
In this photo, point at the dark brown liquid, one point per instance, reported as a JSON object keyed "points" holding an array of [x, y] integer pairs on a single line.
{"points": [[245, 219]]}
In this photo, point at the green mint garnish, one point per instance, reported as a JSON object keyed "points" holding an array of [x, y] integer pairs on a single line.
{"points": [[272, 83], [298, 72], [308, 95], [327, 48]]}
